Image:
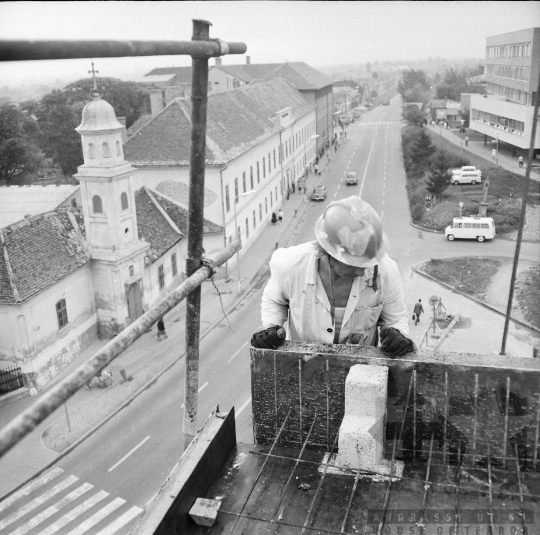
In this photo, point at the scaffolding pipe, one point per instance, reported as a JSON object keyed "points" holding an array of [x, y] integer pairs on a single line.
{"points": [[199, 101], [30, 418], [47, 50]]}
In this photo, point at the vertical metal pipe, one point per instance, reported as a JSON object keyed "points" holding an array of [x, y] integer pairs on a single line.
{"points": [[327, 406], [414, 415], [506, 408], [199, 98], [537, 432], [445, 415], [300, 400], [475, 417]]}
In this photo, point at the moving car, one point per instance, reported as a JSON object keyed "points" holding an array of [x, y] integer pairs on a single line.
{"points": [[472, 228], [351, 178], [319, 193], [466, 177]]}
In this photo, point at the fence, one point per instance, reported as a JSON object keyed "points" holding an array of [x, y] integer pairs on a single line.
{"points": [[11, 379]]}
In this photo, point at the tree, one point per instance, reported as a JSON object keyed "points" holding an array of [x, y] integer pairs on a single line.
{"points": [[18, 153], [439, 174], [413, 115], [414, 86], [127, 98], [422, 149]]}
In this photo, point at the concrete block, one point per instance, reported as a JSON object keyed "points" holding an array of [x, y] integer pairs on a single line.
{"points": [[204, 511]]}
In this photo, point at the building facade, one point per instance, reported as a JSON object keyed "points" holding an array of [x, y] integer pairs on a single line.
{"points": [[511, 72]]}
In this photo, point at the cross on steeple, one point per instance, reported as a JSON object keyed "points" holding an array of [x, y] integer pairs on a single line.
{"points": [[94, 72]]}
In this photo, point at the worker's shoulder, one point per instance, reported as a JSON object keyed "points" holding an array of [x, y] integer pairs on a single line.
{"points": [[388, 267], [294, 253]]}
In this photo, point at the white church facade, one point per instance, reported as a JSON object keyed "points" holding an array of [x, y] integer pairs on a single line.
{"points": [[69, 275]]}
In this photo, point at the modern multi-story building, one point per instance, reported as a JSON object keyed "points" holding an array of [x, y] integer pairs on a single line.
{"points": [[512, 71]]}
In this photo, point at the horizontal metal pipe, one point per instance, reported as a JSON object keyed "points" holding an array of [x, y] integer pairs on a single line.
{"points": [[39, 50], [30, 418]]}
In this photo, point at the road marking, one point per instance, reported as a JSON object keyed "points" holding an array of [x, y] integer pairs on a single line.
{"points": [[97, 517], [128, 454], [35, 484], [239, 351], [74, 513], [335, 194], [200, 390], [66, 500], [242, 407], [121, 521], [36, 502], [367, 164]]}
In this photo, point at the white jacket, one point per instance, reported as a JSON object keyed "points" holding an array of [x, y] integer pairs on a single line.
{"points": [[295, 292]]}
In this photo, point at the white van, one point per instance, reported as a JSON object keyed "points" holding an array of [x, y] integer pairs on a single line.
{"points": [[472, 228]]}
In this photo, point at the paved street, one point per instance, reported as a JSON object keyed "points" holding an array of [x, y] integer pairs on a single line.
{"points": [[103, 485]]}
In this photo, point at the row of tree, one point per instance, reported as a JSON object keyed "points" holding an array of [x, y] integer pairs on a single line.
{"points": [[37, 133]]}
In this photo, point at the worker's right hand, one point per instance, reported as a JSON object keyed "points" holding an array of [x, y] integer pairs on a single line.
{"points": [[269, 338]]}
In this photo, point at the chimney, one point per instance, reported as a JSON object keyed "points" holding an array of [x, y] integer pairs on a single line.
{"points": [[156, 101], [172, 92], [218, 62], [122, 121], [248, 60]]}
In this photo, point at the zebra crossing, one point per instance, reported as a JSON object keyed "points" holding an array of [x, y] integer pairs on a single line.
{"points": [[77, 510]]}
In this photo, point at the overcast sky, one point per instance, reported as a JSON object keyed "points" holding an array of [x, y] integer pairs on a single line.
{"points": [[319, 33]]}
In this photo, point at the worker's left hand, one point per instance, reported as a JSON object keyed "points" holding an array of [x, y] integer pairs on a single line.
{"points": [[393, 343]]}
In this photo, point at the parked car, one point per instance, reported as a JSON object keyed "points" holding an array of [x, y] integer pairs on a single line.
{"points": [[319, 193], [351, 178], [466, 169], [472, 228], [466, 177]]}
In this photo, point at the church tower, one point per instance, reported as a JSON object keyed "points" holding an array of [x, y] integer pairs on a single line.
{"points": [[110, 219]]}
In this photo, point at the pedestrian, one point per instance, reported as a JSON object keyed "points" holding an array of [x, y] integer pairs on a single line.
{"points": [[339, 288], [274, 218], [316, 167], [466, 141], [418, 309], [520, 161], [494, 154], [293, 187], [288, 193], [280, 215], [161, 329]]}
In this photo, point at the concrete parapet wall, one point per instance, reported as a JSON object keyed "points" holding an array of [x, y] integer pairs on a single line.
{"points": [[483, 404]]}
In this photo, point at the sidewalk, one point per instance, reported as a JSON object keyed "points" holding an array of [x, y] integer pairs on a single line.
{"points": [[484, 151]]}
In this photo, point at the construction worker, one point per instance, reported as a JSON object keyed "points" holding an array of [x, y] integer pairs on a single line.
{"points": [[339, 288]]}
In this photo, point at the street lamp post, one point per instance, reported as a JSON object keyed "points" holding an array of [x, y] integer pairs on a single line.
{"points": [[238, 237]]}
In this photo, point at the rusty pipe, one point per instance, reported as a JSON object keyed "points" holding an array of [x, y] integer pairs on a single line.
{"points": [[47, 50], [23, 424]]}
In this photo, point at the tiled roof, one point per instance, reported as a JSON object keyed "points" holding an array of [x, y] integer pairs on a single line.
{"points": [[180, 215], [138, 124], [153, 226], [299, 74], [237, 120], [182, 74], [16, 202], [41, 251]]}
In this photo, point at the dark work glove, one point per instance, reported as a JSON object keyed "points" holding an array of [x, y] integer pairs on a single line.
{"points": [[393, 343], [269, 338]]}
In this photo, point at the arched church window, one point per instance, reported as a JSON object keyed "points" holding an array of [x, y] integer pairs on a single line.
{"points": [[118, 149], [97, 204], [124, 201], [91, 151], [106, 150], [61, 313]]}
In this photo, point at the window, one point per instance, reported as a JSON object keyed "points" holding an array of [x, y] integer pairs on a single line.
{"points": [[236, 190], [118, 149], [265, 205], [61, 313], [260, 212], [174, 265], [276, 193], [131, 271], [244, 182], [91, 151], [269, 163], [227, 199], [106, 150], [254, 219], [271, 200], [247, 228], [238, 233], [161, 277], [274, 158], [258, 174], [74, 203], [264, 166], [97, 205], [124, 201], [251, 177]]}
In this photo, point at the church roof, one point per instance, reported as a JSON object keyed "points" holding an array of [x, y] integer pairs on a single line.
{"points": [[98, 115], [16, 202], [182, 75], [237, 120], [37, 253]]}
